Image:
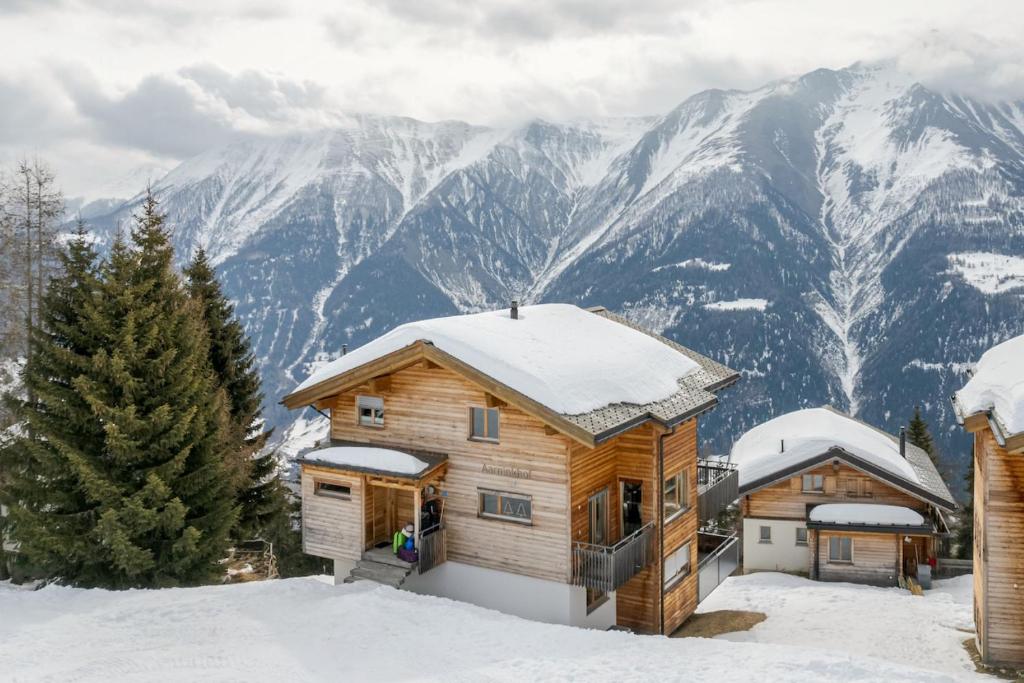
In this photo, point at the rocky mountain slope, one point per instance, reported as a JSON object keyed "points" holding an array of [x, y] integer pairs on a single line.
{"points": [[846, 237]]}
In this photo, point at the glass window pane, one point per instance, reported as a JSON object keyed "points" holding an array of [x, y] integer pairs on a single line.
{"points": [[492, 423], [489, 503], [847, 549], [478, 422]]}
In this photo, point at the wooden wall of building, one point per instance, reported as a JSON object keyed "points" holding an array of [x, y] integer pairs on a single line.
{"points": [[999, 557], [786, 500], [331, 528], [875, 558], [680, 453], [429, 409]]}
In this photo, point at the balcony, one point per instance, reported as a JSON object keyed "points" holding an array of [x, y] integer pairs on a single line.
{"points": [[718, 487], [718, 556], [605, 568]]}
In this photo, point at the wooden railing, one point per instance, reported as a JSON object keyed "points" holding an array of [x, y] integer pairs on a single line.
{"points": [[605, 568], [718, 487], [432, 547]]}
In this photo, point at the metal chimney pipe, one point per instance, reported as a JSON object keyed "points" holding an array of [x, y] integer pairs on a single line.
{"points": [[344, 349], [515, 310], [782, 445], [903, 441]]}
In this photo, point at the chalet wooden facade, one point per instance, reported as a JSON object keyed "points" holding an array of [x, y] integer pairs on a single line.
{"points": [[588, 519], [830, 497], [991, 406]]}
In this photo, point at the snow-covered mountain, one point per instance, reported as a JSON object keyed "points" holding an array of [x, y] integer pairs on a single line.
{"points": [[847, 237]]}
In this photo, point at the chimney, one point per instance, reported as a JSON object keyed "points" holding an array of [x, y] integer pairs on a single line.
{"points": [[344, 349], [515, 310], [903, 441], [782, 445]]}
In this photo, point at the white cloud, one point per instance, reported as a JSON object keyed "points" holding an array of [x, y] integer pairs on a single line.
{"points": [[149, 80]]}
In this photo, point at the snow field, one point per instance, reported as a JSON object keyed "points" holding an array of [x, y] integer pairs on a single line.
{"points": [[309, 630]]}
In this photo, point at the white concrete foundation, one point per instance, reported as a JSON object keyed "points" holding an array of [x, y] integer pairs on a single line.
{"points": [[782, 554], [523, 596], [342, 569]]}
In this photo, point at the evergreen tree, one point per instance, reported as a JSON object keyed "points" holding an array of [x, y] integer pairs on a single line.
{"points": [[918, 434], [261, 497], [49, 512], [964, 533], [159, 505]]}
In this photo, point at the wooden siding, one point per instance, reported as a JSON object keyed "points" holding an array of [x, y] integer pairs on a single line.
{"points": [[786, 500], [680, 452], [429, 409], [999, 553], [875, 558], [331, 527]]}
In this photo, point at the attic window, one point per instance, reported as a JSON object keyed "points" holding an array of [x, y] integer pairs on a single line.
{"points": [[370, 411], [483, 424], [813, 483]]}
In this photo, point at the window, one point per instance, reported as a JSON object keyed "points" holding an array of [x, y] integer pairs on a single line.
{"points": [[677, 566], [801, 536], [857, 488], [513, 507], [813, 483], [484, 424], [676, 499], [370, 410], [324, 488], [840, 549], [766, 535]]}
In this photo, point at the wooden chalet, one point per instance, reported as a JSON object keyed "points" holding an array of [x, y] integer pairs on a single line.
{"points": [[831, 497], [469, 428], [991, 406]]}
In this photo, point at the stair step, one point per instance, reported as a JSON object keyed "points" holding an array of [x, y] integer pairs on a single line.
{"points": [[385, 556], [383, 570]]}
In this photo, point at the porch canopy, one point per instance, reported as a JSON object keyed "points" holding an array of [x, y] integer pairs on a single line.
{"points": [[377, 461], [868, 517]]}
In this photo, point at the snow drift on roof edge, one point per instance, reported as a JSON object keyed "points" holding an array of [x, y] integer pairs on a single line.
{"points": [[561, 356], [998, 385], [808, 433], [865, 513]]}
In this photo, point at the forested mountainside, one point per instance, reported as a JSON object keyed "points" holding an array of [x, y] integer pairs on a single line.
{"points": [[847, 237]]}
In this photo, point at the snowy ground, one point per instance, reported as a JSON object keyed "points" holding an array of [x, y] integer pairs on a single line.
{"points": [[862, 621], [309, 630]]}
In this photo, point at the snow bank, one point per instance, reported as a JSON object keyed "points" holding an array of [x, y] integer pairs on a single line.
{"points": [[309, 630], [738, 305], [807, 433], [866, 513], [998, 385], [361, 457], [565, 358], [987, 272]]}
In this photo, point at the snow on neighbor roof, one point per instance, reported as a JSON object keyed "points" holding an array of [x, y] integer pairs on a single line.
{"points": [[997, 385], [865, 513], [565, 358], [368, 458], [792, 438]]}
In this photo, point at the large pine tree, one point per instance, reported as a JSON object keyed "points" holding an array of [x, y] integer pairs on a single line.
{"points": [[159, 502], [49, 511], [261, 497]]}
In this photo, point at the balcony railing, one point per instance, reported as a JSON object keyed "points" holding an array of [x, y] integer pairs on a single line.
{"points": [[605, 568], [433, 548], [718, 558], [718, 487]]}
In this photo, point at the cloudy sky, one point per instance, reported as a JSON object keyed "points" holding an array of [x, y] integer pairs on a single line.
{"points": [[103, 89]]}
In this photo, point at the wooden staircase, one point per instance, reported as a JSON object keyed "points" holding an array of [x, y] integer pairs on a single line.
{"points": [[381, 566]]}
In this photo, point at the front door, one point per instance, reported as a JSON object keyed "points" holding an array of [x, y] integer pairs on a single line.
{"points": [[632, 505]]}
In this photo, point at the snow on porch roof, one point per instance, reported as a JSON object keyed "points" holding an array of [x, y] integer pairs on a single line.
{"points": [[561, 356], [865, 514], [997, 385], [371, 459]]}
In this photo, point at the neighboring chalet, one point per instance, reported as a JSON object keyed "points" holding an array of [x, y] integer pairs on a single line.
{"points": [[546, 456], [991, 406], [826, 495]]}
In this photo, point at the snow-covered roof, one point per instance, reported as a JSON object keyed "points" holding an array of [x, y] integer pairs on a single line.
{"points": [[561, 356], [866, 514], [997, 385], [784, 444], [368, 458]]}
